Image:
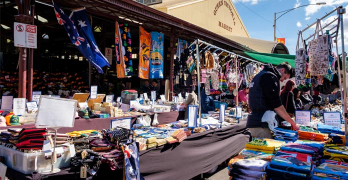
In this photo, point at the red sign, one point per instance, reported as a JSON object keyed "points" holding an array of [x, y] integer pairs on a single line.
{"points": [[281, 40], [20, 28], [31, 29]]}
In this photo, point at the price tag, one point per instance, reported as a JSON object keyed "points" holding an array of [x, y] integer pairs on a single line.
{"points": [[192, 115], [332, 119], [222, 113], [36, 96], [145, 96], [153, 95], [163, 98], [6, 103], [303, 117], [83, 105], [3, 169], [19, 106], [32, 106], [124, 123], [109, 98], [94, 92]]}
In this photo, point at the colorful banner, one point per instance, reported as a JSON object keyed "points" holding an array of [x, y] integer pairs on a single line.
{"points": [[126, 43], [156, 55], [144, 53], [120, 65]]}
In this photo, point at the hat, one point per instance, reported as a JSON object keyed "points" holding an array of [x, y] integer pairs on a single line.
{"points": [[12, 120], [84, 114], [2, 121]]}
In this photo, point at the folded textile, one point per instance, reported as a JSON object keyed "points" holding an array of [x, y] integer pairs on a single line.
{"points": [[312, 136], [269, 145], [328, 161], [329, 129], [161, 142], [291, 164], [300, 156], [240, 173], [180, 135], [253, 165], [322, 178], [331, 170], [171, 140], [319, 145], [257, 155], [151, 140], [278, 173], [151, 145]]}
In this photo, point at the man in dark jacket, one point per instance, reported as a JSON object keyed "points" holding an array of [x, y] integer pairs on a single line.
{"points": [[264, 95]]}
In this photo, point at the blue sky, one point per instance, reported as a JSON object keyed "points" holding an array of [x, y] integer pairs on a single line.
{"points": [[289, 24]]}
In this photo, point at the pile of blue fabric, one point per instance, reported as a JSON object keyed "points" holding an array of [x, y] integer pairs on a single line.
{"points": [[249, 169], [322, 128], [330, 169], [285, 135]]}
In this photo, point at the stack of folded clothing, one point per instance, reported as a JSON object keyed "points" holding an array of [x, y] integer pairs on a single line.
{"points": [[330, 169], [31, 138], [290, 165], [313, 136], [151, 142], [269, 146], [142, 143], [4, 137], [329, 129], [179, 135], [60, 139], [334, 152], [248, 169], [285, 135], [300, 148], [336, 139], [315, 144]]}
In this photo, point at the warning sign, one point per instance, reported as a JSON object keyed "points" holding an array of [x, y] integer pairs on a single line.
{"points": [[25, 35], [30, 37]]}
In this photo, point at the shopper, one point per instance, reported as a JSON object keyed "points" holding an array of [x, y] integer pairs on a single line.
{"points": [[298, 102], [243, 95], [207, 102], [287, 97], [264, 96], [190, 100], [147, 87], [317, 99]]}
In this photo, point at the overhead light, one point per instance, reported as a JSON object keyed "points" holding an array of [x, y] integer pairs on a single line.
{"points": [[45, 36], [46, 51], [121, 17], [5, 27], [57, 57], [80, 58], [112, 45], [76, 57], [8, 40], [41, 19], [16, 7], [69, 56], [134, 56], [97, 29], [62, 57]]}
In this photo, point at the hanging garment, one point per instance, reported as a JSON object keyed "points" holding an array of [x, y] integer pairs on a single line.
{"points": [[190, 64], [319, 53], [300, 61], [215, 79], [209, 60], [203, 75], [207, 85], [127, 44], [222, 81]]}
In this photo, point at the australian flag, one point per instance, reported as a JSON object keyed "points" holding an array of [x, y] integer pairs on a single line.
{"points": [[80, 33]]}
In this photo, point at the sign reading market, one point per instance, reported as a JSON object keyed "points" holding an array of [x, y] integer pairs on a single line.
{"points": [[228, 6]]}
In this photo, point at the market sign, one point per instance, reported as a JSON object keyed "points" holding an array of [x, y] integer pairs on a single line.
{"points": [[332, 119], [25, 35], [281, 40], [303, 117]]}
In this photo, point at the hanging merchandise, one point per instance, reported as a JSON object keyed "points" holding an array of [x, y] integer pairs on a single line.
{"points": [[331, 70], [182, 45], [319, 53], [81, 35], [156, 55], [209, 60], [127, 42], [300, 61], [222, 81], [191, 65], [120, 51], [144, 53]]}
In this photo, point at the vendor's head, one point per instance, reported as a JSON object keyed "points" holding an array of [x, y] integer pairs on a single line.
{"points": [[296, 92], [154, 83], [289, 86], [285, 71], [146, 83]]}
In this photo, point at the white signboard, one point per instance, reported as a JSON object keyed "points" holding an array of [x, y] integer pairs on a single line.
{"points": [[303, 117], [36, 96], [153, 95], [124, 123], [332, 119], [6, 103], [19, 106], [239, 112], [32, 106], [19, 34], [108, 55], [109, 98], [94, 91], [56, 112], [31, 36]]}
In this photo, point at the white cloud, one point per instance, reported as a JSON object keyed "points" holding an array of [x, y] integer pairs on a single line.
{"points": [[298, 3], [315, 8], [253, 2], [307, 18], [298, 24]]}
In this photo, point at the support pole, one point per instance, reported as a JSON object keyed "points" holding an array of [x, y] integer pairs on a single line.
{"points": [[22, 89], [339, 74], [274, 26], [172, 52], [199, 83], [237, 84], [343, 11], [31, 63]]}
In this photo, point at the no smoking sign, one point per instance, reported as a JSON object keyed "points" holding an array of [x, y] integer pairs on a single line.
{"points": [[20, 28]]}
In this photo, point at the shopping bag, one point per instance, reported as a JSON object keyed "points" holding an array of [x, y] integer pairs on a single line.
{"points": [[300, 61]]}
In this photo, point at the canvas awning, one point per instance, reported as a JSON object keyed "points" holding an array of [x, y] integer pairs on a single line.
{"points": [[261, 46], [272, 58]]}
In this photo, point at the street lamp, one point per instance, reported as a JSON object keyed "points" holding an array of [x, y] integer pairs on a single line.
{"points": [[286, 11]]}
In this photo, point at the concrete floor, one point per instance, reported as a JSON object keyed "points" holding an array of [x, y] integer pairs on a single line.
{"points": [[220, 174]]}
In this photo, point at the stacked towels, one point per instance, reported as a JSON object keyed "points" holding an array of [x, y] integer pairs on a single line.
{"points": [[329, 129], [285, 135], [334, 152], [269, 146], [249, 170], [31, 138], [336, 139], [330, 169]]}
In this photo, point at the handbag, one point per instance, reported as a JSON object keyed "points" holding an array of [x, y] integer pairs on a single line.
{"points": [[300, 61], [319, 52]]}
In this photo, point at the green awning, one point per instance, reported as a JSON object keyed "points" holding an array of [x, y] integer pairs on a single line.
{"points": [[274, 59]]}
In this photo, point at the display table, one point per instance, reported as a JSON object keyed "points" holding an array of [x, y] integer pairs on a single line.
{"points": [[197, 154], [104, 123]]}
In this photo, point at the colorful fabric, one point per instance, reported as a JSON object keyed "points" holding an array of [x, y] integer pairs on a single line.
{"points": [[131, 162], [331, 171], [329, 129], [120, 51], [144, 53], [81, 35], [253, 165], [156, 55], [300, 156], [245, 174], [290, 164], [127, 44], [312, 136], [264, 145], [283, 174]]}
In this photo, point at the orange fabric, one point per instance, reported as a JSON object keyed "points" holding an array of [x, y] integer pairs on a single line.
{"points": [[312, 136], [144, 53]]}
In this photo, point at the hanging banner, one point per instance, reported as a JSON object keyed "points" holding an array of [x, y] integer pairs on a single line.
{"points": [[144, 53], [126, 43], [120, 65], [156, 55], [108, 55]]}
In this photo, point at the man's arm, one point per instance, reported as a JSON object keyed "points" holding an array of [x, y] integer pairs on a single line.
{"points": [[282, 113]]}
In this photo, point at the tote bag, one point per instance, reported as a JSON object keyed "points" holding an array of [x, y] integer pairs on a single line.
{"points": [[300, 61]]}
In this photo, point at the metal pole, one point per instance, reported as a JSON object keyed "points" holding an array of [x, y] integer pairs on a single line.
{"points": [[339, 74], [343, 11], [237, 84], [274, 26], [198, 83], [30, 63]]}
